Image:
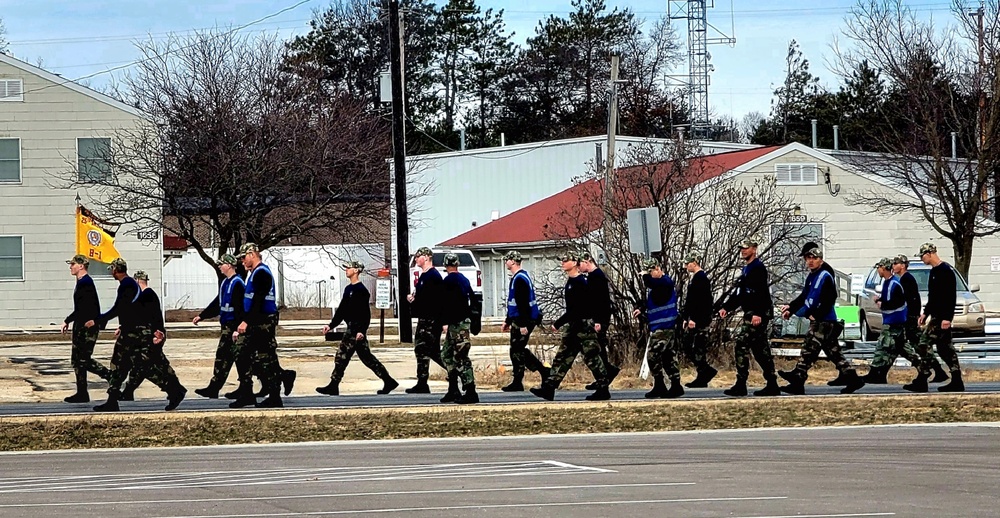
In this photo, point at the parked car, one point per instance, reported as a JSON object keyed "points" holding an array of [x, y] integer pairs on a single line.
{"points": [[467, 265], [970, 312]]}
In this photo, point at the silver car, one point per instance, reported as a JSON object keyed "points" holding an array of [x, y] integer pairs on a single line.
{"points": [[970, 312]]}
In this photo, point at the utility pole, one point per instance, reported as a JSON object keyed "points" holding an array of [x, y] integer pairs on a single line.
{"points": [[399, 170], [609, 168]]}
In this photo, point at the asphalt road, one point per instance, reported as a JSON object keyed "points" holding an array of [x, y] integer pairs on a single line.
{"points": [[904, 471], [400, 399]]}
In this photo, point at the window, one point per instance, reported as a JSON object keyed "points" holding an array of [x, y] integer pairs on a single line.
{"points": [[93, 159], [11, 258], [11, 90], [10, 160], [795, 174]]}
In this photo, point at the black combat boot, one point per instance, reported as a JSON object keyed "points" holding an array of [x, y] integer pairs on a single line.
{"points": [[262, 392], [273, 400], [705, 374], [111, 405], [839, 381], [420, 388], [211, 391], [544, 373], [243, 397], [956, 384], [389, 384], [770, 389], [516, 385], [453, 393], [602, 393], [877, 375], [127, 395], [288, 381], [940, 375], [175, 396], [676, 390], [919, 384], [470, 396], [546, 392], [854, 382], [592, 385], [233, 394], [81, 396], [331, 389], [796, 383], [739, 389], [659, 388]]}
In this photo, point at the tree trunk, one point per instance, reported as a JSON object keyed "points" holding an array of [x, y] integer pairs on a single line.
{"points": [[963, 255]]}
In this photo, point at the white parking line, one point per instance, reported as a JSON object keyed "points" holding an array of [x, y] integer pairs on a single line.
{"points": [[348, 495], [849, 515], [490, 506]]}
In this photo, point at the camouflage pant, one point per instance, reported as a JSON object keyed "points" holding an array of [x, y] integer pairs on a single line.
{"points": [[604, 343], [142, 359], [262, 348], [427, 347], [521, 357], [912, 343], [751, 339], [695, 343], [577, 337], [662, 356], [940, 339], [892, 343], [822, 336], [350, 345], [226, 355], [455, 353], [81, 357]]}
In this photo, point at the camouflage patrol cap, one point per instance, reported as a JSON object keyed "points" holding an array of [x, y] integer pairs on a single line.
{"points": [[692, 257], [649, 265], [806, 248], [140, 275], [901, 259], [79, 259], [424, 251], [884, 262], [512, 255], [357, 265], [451, 260], [813, 252], [748, 243], [585, 256], [118, 265], [246, 249], [928, 248], [570, 256], [229, 259]]}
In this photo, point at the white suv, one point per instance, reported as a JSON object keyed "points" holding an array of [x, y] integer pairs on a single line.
{"points": [[467, 265]]}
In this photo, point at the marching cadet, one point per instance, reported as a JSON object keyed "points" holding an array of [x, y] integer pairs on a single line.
{"points": [[936, 319], [661, 314], [900, 267], [695, 319], [86, 311], [600, 290], [354, 310], [128, 292], [228, 306], [259, 325], [579, 335], [425, 306], [523, 314], [895, 313], [753, 295], [456, 313], [816, 302]]}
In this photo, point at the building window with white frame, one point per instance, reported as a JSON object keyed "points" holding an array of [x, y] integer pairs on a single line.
{"points": [[11, 90], [93, 159], [11, 258], [796, 174], [10, 160]]}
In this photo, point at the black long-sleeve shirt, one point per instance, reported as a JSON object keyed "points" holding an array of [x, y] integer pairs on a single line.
{"points": [[214, 308], [354, 309], [262, 282], [456, 299], [427, 294], [827, 297], [578, 305], [148, 311], [912, 293], [941, 294], [522, 298], [600, 293], [698, 301], [128, 289], [753, 292], [660, 290], [86, 303]]}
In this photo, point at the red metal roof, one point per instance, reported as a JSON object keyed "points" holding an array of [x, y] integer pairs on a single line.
{"points": [[574, 212]]}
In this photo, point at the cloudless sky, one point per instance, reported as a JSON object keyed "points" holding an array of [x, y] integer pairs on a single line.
{"points": [[85, 37]]}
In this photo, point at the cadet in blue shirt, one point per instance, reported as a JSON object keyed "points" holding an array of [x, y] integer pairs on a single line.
{"points": [[895, 314]]}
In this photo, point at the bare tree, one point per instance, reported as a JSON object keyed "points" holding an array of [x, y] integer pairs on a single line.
{"points": [[234, 148], [939, 88], [3, 38]]}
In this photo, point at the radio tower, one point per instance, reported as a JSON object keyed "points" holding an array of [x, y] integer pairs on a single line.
{"points": [[699, 66]]}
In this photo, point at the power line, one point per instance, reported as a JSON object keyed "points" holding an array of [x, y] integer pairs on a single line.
{"points": [[128, 37]]}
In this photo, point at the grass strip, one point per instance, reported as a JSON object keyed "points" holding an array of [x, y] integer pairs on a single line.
{"points": [[214, 428]]}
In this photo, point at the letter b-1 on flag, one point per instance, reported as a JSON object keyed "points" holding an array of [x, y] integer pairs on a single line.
{"points": [[93, 241]]}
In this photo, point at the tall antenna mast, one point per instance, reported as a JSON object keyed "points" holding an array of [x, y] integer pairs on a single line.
{"points": [[699, 66]]}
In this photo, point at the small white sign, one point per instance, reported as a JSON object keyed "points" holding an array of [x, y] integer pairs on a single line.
{"points": [[857, 283], [383, 293], [995, 264]]}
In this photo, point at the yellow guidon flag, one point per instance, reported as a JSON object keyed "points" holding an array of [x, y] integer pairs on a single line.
{"points": [[93, 241]]}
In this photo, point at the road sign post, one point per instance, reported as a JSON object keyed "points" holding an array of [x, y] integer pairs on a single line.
{"points": [[644, 231], [383, 299]]}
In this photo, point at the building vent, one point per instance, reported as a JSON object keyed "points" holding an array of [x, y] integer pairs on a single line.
{"points": [[11, 90], [795, 174]]}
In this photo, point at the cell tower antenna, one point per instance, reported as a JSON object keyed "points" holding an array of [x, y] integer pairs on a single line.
{"points": [[699, 59]]}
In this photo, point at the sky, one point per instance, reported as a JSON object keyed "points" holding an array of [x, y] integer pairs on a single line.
{"points": [[85, 38]]}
